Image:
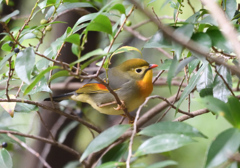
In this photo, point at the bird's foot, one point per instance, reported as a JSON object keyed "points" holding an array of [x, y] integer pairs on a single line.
{"points": [[120, 107]]}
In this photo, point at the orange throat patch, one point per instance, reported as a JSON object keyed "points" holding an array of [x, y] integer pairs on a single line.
{"points": [[145, 85]]}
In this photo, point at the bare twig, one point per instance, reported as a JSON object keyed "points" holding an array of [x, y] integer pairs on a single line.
{"points": [[135, 129], [70, 150], [191, 6], [54, 110], [29, 149], [194, 113]]}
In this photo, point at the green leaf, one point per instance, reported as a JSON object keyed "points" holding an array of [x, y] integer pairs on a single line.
{"points": [[6, 47], [225, 145], [38, 78], [74, 38], [83, 19], [112, 164], [119, 7], [115, 153], [163, 143], [191, 85], [205, 82], [59, 74], [98, 51], [163, 164], [6, 138], [101, 23], [14, 13], [202, 39], [166, 64], [75, 49], [24, 64], [187, 31], [64, 132], [168, 127], [104, 139], [229, 110], [5, 159], [27, 36], [231, 7], [24, 107], [171, 71], [218, 40], [40, 86], [5, 59], [158, 40], [220, 90], [183, 63], [192, 65]]}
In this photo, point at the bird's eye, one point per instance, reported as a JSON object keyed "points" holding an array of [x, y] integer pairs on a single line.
{"points": [[138, 70]]}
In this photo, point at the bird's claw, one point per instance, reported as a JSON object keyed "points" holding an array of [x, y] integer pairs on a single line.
{"points": [[120, 107]]}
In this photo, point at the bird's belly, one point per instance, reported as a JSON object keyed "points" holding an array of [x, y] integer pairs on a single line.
{"points": [[131, 104]]}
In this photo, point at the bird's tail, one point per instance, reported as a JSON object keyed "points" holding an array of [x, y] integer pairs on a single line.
{"points": [[60, 97]]}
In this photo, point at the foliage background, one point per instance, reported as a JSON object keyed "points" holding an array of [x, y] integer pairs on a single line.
{"points": [[191, 155]]}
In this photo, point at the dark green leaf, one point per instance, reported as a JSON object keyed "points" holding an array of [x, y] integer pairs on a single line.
{"points": [[24, 64], [163, 164], [220, 89], [163, 143], [5, 159], [158, 40], [74, 38], [101, 23], [14, 13], [229, 110], [104, 139], [202, 39], [64, 132], [218, 40], [115, 153], [37, 79], [225, 145], [191, 85], [187, 31], [168, 127], [5, 59], [171, 71], [119, 7], [112, 164]]}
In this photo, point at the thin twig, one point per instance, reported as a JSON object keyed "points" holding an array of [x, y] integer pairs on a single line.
{"points": [[191, 6], [135, 129], [45, 125], [29, 149], [194, 114], [185, 42], [54, 110]]}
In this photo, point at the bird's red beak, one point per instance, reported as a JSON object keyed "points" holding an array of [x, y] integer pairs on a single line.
{"points": [[151, 66]]}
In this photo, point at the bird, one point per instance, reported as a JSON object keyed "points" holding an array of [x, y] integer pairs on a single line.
{"points": [[131, 81]]}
